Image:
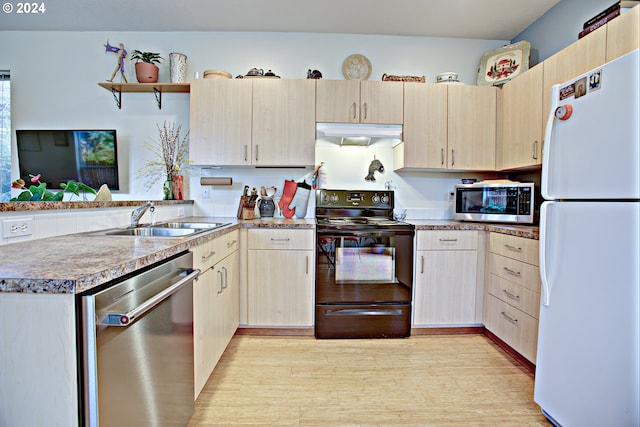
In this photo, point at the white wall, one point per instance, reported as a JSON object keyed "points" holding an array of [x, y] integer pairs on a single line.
{"points": [[559, 27], [54, 78]]}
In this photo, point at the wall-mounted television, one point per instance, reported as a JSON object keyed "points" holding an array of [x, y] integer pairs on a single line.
{"points": [[88, 156]]}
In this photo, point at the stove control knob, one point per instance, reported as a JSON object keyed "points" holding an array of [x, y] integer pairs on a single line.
{"points": [[385, 199], [334, 198], [375, 199]]}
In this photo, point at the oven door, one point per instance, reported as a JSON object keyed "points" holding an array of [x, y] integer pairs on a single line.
{"points": [[364, 266], [363, 284]]}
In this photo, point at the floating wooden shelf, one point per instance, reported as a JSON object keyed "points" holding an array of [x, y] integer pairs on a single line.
{"points": [[157, 88]]}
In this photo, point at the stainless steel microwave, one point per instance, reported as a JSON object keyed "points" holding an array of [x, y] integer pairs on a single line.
{"points": [[504, 201]]}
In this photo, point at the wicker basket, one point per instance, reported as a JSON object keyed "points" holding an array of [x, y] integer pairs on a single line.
{"points": [[390, 78]]}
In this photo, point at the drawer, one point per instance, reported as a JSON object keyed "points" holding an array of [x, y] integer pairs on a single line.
{"points": [[214, 251], [518, 296], [224, 245], [278, 238], [515, 247], [512, 326], [518, 272], [447, 240]]}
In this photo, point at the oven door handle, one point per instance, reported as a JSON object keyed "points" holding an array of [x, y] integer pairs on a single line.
{"points": [[363, 311], [125, 319]]}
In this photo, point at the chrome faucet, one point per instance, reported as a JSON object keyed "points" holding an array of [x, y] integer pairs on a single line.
{"points": [[138, 212]]}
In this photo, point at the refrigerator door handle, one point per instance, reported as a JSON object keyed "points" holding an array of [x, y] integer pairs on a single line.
{"points": [[544, 224], [546, 148]]}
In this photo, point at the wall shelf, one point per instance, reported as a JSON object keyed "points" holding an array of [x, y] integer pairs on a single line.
{"points": [[156, 88]]}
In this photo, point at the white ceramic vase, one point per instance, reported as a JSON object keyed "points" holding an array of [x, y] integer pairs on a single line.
{"points": [[178, 67]]}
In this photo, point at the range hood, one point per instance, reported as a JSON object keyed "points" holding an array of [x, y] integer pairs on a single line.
{"points": [[356, 134]]}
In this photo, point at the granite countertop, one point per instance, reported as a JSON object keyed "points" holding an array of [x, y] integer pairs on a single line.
{"points": [[526, 231], [76, 263], [46, 206]]}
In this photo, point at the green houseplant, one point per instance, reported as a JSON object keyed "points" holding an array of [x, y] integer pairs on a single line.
{"points": [[146, 68]]}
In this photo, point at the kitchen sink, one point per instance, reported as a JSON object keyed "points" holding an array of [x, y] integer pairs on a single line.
{"points": [[190, 225], [152, 232], [165, 229]]}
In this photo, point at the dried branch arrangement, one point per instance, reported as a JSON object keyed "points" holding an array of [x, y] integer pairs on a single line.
{"points": [[170, 154]]}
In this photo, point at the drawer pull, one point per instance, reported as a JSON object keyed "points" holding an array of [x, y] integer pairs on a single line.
{"points": [[280, 239], [513, 248], [231, 243], [512, 296], [206, 257], [512, 272], [448, 240], [509, 318]]}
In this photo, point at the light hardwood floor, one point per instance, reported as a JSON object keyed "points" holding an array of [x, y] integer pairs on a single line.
{"points": [[433, 380]]}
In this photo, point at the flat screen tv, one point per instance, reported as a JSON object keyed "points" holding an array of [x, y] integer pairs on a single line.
{"points": [[88, 156]]}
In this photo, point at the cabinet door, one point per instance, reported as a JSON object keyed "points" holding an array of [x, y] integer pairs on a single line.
{"points": [[577, 58], [204, 328], [445, 289], [284, 129], [522, 121], [338, 101], [425, 127], [472, 127], [280, 291], [220, 120], [381, 102], [227, 307], [623, 34]]}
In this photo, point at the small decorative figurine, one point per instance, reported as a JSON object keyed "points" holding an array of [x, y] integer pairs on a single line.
{"points": [[122, 54], [375, 165]]}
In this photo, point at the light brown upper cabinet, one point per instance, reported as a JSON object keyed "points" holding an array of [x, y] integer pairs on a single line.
{"points": [[471, 127], [623, 35], [520, 144], [284, 128], [220, 122], [359, 101], [260, 122], [424, 143], [449, 127]]}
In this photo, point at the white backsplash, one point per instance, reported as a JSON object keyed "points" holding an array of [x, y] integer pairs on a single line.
{"points": [[425, 195]]}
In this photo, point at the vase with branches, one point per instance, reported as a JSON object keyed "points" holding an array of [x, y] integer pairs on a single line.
{"points": [[170, 151]]}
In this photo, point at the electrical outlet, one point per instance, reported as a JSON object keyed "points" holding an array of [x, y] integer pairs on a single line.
{"points": [[206, 192], [451, 196], [180, 212], [17, 227]]}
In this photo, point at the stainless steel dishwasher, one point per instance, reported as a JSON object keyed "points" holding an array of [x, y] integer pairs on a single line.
{"points": [[136, 349]]}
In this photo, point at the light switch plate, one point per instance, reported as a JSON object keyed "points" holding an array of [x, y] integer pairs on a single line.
{"points": [[17, 227]]}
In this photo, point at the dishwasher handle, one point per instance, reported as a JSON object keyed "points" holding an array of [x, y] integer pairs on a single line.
{"points": [[125, 319]]}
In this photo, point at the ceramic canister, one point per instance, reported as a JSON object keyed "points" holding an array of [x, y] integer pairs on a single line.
{"points": [[178, 67]]}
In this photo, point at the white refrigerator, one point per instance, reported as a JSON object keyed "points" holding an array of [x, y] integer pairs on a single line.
{"points": [[588, 361]]}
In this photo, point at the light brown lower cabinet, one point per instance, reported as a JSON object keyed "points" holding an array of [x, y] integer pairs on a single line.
{"points": [[445, 284], [216, 303], [512, 296], [280, 277]]}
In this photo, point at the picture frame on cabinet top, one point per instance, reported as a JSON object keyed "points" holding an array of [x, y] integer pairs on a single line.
{"points": [[498, 66]]}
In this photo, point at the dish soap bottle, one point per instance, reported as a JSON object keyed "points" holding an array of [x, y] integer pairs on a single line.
{"points": [[321, 177]]}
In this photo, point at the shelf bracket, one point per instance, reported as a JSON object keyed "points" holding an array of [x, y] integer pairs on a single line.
{"points": [[158, 95], [117, 95]]}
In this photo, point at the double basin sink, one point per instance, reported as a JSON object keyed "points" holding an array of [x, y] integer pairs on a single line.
{"points": [[165, 229]]}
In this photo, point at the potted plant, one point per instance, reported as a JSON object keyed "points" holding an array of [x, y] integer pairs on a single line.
{"points": [[146, 68]]}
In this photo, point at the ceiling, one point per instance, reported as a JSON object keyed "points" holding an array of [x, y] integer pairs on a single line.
{"points": [[476, 19]]}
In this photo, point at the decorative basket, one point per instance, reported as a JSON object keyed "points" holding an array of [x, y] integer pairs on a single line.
{"points": [[390, 78]]}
